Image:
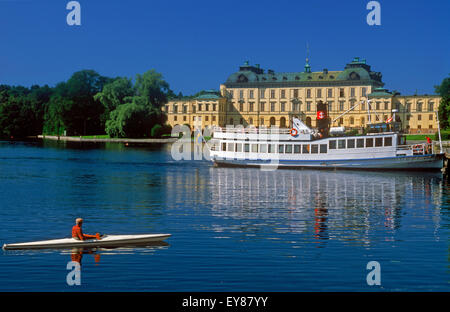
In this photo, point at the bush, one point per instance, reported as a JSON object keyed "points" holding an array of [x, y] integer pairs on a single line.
{"points": [[158, 131], [445, 135]]}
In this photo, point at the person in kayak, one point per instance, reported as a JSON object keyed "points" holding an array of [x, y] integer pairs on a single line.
{"points": [[77, 232]]}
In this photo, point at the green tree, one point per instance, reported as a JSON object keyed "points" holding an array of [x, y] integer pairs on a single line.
{"points": [[117, 92], [152, 88], [444, 106], [79, 112]]}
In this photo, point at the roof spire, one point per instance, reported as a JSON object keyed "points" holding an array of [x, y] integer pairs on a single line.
{"points": [[307, 66]]}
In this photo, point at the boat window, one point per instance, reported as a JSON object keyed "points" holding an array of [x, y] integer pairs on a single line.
{"points": [[263, 148], [297, 149], [289, 149], [254, 148], [401, 140], [231, 147], [323, 148], [378, 142], [246, 147], [369, 142], [281, 148], [388, 141], [314, 149], [305, 148], [351, 143], [332, 144], [341, 144], [239, 147], [224, 147], [271, 148], [360, 143]]}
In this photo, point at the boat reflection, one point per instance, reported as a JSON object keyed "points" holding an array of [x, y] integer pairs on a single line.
{"points": [[76, 254], [351, 206]]}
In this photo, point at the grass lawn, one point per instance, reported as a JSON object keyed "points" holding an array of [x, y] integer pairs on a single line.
{"points": [[101, 136], [418, 137]]}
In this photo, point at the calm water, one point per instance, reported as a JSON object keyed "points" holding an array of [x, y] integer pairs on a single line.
{"points": [[233, 229]]}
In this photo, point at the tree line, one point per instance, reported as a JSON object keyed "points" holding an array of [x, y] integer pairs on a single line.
{"points": [[87, 104]]}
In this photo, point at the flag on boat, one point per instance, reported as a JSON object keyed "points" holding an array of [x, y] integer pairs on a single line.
{"points": [[389, 120]]}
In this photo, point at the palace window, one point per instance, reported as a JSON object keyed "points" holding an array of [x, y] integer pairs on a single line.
{"points": [[283, 106], [262, 93], [214, 107], [251, 94], [175, 109], [241, 107], [241, 94], [206, 107], [308, 106], [184, 118], [330, 93], [250, 106], [341, 92], [295, 93], [419, 107], [308, 93], [330, 106], [272, 94], [319, 93], [261, 122], [199, 107], [341, 105], [272, 106], [430, 106], [419, 117], [283, 94], [430, 117], [363, 91], [352, 92]]}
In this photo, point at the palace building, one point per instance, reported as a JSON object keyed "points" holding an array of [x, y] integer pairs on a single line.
{"points": [[253, 96]]}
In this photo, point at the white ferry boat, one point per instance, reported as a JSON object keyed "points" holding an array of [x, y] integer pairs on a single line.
{"points": [[302, 147]]}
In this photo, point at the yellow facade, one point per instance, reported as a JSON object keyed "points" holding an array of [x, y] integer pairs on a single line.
{"points": [[252, 96]]}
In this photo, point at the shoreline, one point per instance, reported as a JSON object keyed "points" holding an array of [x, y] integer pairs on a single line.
{"points": [[103, 140]]}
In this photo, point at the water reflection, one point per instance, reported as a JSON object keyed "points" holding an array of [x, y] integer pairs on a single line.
{"points": [[350, 206]]}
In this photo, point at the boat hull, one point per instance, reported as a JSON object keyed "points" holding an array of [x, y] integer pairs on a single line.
{"points": [[106, 241], [430, 162]]}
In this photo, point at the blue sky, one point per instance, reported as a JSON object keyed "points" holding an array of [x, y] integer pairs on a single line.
{"points": [[197, 44]]}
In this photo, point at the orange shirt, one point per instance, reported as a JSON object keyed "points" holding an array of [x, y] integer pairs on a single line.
{"points": [[76, 232]]}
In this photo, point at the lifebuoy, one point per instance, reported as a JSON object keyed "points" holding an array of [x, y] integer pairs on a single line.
{"points": [[293, 132]]}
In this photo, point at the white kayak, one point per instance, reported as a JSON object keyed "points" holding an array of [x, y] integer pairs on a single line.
{"points": [[105, 241]]}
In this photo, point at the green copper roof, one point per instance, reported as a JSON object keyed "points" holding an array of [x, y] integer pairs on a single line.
{"points": [[380, 92], [357, 70]]}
